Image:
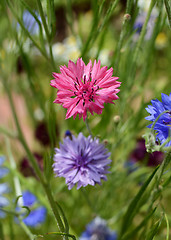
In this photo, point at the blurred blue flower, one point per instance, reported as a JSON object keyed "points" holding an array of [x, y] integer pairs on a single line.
{"points": [[81, 161], [163, 125], [4, 188], [98, 230], [139, 22], [30, 23], [37, 214]]}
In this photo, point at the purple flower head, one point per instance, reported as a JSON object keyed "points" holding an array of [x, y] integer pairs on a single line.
{"points": [[163, 125], [37, 214], [98, 230], [81, 161]]}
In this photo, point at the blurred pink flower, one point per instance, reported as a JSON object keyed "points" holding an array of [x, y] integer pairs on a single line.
{"points": [[83, 88]]}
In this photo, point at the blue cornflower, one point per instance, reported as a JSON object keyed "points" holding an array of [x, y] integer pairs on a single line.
{"points": [[163, 125], [98, 230], [30, 23], [37, 214], [3, 188], [81, 161]]}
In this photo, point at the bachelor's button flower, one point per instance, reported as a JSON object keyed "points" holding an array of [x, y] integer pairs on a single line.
{"points": [[4, 188], [84, 88], [81, 160], [163, 125], [98, 230], [37, 214]]}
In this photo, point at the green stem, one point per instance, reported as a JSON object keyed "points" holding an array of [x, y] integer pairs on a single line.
{"points": [[8, 133], [25, 30], [143, 32], [43, 19], [34, 163], [167, 111], [27, 230], [88, 200], [88, 127], [168, 10], [17, 185], [47, 32], [127, 17]]}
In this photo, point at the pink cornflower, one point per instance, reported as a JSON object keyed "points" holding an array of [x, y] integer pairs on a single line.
{"points": [[84, 88]]}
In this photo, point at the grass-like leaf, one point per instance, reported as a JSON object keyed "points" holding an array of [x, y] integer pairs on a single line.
{"points": [[132, 207]]}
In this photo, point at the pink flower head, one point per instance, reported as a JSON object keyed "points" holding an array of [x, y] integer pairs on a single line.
{"points": [[84, 88]]}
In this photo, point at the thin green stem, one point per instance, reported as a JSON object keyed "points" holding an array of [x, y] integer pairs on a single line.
{"points": [[168, 10], [88, 127], [167, 111], [88, 200], [46, 31], [17, 185], [127, 17], [25, 30], [27, 230], [43, 19], [8, 133], [33, 162], [143, 32]]}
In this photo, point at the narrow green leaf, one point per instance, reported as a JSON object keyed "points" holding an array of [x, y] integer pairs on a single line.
{"points": [[168, 10], [154, 230], [167, 223], [1, 232], [62, 234], [130, 234], [131, 209], [64, 218]]}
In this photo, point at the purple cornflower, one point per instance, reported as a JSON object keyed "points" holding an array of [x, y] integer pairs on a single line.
{"points": [[81, 161], [163, 125], [37, 214], [98, 230]]}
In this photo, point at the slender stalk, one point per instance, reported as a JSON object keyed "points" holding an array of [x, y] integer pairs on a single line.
{"points": [[88, 200], [8, 133], [25, 30], [43, 19], [143, 32], [168, 10], [88, 127], [167, 111], [47, 32], [17, 185], [34, 163], [27, 230], [127, 17]]}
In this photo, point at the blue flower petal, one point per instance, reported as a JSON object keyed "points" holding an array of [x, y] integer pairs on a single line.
{"points": [[35, 217]]}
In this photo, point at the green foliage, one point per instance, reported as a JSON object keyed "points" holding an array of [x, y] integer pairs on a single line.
{"points": [[136, 204]]}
